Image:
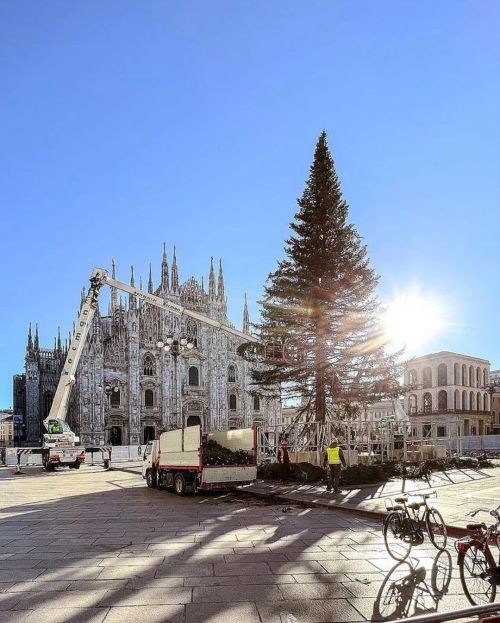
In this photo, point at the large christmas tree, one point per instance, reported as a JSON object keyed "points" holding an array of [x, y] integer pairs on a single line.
{"points": [[320, 314]]}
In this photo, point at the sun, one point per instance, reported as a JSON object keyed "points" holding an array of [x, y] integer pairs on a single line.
{"points": [[412, 319]]}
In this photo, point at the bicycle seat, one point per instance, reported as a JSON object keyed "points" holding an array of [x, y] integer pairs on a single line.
{"points": [[396, 507], [475, 526], [401, 499], [415, 505], [426, 496]]}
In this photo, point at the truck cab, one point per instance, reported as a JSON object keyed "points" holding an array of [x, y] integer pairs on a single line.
{"points": [[149, 463]]}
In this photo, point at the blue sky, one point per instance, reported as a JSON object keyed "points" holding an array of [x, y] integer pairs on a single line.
{"points": [[126, 124]]}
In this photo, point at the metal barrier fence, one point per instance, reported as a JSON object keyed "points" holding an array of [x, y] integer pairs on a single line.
{"points": [[8, 456]]}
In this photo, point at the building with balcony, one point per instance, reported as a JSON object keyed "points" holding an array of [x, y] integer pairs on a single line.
{"points": [[448, 395], [6, 428]]}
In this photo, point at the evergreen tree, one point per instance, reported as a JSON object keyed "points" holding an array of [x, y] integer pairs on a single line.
{"points": [[320, 313]]}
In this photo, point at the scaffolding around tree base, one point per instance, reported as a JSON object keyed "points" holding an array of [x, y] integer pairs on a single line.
{"points": [[362, 441]]}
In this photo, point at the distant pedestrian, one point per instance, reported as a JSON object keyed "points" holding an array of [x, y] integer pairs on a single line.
{"points": [[284, 459], [333, 462]]}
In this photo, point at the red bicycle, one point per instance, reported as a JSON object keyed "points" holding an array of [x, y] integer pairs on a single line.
{"points": [[479, 573]]}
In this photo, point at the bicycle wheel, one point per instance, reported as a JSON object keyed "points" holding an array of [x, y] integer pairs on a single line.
{"points": [[473, 567], [394, 538], [436, 528]]}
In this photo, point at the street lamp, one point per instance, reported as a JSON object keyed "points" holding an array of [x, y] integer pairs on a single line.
{"points": [[175, 347], [109, 390]]}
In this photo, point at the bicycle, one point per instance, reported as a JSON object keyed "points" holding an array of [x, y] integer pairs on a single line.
{"points": [[479, 573], [404, 525]]}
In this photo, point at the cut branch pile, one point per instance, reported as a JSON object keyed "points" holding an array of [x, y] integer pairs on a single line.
{"points": [[215, 454]]}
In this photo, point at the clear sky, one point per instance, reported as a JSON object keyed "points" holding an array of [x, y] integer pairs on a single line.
{"points": [[127, 124]]}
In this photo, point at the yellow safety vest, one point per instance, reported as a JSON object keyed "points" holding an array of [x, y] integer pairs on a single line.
{"points": [[333, 455]]}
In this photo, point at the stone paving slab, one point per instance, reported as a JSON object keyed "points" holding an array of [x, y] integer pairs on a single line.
{"points": [[146, 614], [227, 613], [64, 615], [309, 611]]}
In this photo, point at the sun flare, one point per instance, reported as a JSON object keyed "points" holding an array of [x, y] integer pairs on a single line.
{"points": [[412, 319]]}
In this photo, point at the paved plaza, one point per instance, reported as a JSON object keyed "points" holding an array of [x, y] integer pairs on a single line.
{"points": [[94, 545]]}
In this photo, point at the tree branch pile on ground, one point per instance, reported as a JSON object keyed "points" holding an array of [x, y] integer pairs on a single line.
{"points": [[370, 474], [215, 454]]}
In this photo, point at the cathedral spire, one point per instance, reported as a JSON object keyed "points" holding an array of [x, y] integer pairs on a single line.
{"points": [[164, 271], [246, 317], [59, 345], [211, 281], [150, 280], [220, 285], [37, 343], [114, 291], [175, 273], [30, 339], [132, 301]]}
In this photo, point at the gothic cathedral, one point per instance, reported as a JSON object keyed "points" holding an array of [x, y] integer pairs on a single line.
{"points": [[128, 389]]}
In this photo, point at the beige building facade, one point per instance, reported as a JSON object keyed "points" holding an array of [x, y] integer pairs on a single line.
{"points": [[448, 395]]}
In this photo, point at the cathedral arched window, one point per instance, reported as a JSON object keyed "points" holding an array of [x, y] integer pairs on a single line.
{"points": [[485, 377], [471, 376], [464, 375], [231, 374], [464, 400], [456, 374], [232, 402], [115, 397], [149, 398], [193, 376], [48, 397], [192, 332], [427, 403], [479, 401], [472, 403], [478, 377], [256, 403], [149, 365]]}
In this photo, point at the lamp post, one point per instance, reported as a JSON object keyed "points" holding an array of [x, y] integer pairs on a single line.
{"points": [[175, 347], [109, 390]]}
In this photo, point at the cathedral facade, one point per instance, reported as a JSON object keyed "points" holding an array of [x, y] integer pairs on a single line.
{"points": [[129, 388]]}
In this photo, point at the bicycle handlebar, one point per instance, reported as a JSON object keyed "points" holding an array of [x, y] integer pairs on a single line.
{"points": [[493, 513]]}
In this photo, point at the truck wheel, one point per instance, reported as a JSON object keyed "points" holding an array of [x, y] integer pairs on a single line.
{"points": [[151, 479], [75, 465], [50, 467], [180, 484]]}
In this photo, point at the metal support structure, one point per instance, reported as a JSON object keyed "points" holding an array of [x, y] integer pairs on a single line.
{"points": [[454, 615]]}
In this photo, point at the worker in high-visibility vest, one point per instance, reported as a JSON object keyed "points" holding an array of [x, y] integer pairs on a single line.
{"points": [[333, 462]]}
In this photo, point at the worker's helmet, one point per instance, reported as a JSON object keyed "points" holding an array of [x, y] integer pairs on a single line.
{"points": [[334, 440]]}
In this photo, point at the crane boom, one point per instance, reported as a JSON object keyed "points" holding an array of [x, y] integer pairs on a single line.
{"points": [[99, 278]]}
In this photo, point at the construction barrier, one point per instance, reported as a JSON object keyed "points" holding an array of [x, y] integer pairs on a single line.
{"points": [[8, 456]]}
